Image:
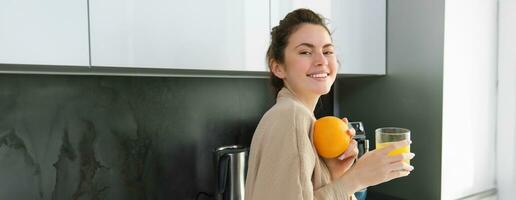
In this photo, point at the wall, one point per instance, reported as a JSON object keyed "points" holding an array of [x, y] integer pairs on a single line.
{"points": [[409, 96], [506, 128], [102, 137], [469, 98]]}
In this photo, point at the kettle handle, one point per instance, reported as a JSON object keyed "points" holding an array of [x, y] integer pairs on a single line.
{"points": [[223, 163]]}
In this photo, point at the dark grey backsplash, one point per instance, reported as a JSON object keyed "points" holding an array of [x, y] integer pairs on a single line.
{"points": [[93, 137], [104, 137]]}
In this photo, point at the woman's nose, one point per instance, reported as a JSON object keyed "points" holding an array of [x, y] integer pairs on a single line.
{"points": [[320, 59]]}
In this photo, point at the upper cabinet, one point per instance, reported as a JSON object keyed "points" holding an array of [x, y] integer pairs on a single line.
{"points": [[51, 32], [194, 34], [224, 35], [358, 30]]}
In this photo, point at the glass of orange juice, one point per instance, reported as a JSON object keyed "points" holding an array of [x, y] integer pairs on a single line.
{"points": [[387, 135]]}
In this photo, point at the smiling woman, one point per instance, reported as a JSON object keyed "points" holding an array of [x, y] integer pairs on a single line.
{"points": [[283, 163], [312, 66], [318, 34]]}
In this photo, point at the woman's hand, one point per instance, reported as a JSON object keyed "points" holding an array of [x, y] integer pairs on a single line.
{"points": [[338, 166], [376, 167]]}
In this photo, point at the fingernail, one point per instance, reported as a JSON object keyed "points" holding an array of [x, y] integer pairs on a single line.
{"points": [[341, 157], [411, 167], [412, 155]]}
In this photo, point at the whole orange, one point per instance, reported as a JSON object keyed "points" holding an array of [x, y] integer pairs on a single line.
{"points": [[330, 136]]}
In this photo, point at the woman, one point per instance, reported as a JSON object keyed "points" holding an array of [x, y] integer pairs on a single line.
{"points": [[283, 163]]}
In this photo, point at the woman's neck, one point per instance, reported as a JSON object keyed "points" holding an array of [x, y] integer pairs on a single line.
{"points": [[310, 101]]}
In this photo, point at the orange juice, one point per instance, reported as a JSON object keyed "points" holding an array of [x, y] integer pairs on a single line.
{"points": [[405, 149]]}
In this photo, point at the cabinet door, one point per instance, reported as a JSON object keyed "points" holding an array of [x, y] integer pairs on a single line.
{"points": [[194, 34], [51, 32], [358, 26]]}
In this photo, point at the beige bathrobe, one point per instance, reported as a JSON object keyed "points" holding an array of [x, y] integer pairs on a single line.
{"points": [[283, 163]]}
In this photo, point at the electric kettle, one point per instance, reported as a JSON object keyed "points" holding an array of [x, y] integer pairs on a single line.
{"points": [[230, 171]]}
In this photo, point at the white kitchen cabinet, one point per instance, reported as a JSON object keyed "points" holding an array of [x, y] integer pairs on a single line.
{"points": [[51, 32], [358, 26], [207, 35]]}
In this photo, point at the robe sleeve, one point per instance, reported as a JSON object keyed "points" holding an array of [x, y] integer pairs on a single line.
{"points": [[287, 161]]}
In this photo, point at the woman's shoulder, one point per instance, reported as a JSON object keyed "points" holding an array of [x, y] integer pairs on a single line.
{"points": [[289, 107], [284, 124], [289, 111]]}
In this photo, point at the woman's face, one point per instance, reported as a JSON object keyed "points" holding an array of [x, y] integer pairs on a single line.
{"points": [[310, 65]]}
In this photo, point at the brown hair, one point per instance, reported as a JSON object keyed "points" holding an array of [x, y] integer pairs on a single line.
{"points": [[280, 35]]}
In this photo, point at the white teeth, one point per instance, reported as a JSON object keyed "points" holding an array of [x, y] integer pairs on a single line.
{"points": [[323, 75]]}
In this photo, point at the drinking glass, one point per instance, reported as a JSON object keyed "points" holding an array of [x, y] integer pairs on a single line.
{"points": [[388, 135]]}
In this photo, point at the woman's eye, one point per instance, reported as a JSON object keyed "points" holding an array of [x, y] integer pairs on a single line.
{"points": [[328, 52], [305, 53]]}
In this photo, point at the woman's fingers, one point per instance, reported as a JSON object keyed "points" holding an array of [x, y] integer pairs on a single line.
{"points": [[397, 174], [400, 166], [399, 169], [351, 131], [347, 161], [400, 157], [352, 150], [345, 119]]}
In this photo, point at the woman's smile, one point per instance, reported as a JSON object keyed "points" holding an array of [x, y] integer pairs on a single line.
{"points": [[319, 76]]}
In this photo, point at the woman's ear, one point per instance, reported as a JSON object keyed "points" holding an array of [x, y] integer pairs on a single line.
{"points": [[278, 69]]}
